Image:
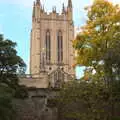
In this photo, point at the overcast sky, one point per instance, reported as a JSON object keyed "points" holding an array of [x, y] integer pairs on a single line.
{"points": [[15, 19]]}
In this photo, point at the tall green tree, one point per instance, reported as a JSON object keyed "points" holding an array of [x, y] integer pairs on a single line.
{"points": [[10, 66]]}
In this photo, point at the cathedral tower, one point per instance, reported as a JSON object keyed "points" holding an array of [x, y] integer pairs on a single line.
{"points": [[51, 39]]}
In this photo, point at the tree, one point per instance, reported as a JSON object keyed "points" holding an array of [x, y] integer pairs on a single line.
{"points": [[6, 109], [10, 62], [98, 43], [83, 100], [10, 65]]}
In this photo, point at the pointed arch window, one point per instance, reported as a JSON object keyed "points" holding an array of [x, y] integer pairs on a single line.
{"points": [[48, 46], [59, 47], [58, 79]]}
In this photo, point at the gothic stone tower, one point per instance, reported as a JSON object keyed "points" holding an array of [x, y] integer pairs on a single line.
{"points": [[51, 40]]}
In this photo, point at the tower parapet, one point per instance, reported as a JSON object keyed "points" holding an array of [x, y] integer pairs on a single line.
{"points": [[39, 12]]}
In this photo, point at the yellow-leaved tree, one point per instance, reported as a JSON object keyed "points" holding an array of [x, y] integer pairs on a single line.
{"points": [[98, 43]]}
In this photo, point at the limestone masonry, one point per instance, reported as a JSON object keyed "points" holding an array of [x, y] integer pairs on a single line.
{"points": [[51, 51]]}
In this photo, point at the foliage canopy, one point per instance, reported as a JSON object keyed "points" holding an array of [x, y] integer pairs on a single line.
{"points": [[10, 66]]}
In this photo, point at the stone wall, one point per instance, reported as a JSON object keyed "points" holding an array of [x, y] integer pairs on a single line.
{"points": [[35, 107], [38, 81], [44, 80]]}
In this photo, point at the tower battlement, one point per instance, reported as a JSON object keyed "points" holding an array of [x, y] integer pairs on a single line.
{"points": [[39, 12]]}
